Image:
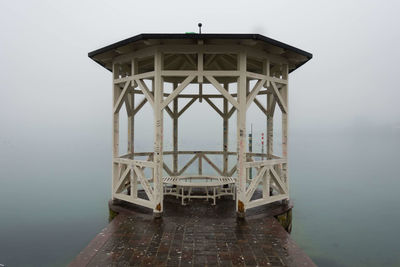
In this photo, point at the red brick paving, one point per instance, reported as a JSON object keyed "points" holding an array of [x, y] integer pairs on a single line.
{"points": [[194, 235]]}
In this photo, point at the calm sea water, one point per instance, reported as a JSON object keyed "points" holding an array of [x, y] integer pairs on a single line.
{"points": [[344, 186], [346, 193]]}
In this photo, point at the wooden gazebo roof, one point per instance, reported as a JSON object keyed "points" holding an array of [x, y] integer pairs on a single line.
{"points": [[295, 56]]}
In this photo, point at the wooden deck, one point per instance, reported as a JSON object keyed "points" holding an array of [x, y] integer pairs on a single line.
{"points": [[198, 234]]}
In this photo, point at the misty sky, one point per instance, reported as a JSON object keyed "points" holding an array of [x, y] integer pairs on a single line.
{"points": [[52, 93]]}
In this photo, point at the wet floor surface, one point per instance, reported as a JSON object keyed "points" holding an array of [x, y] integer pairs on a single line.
{"points": [[194, 235]]}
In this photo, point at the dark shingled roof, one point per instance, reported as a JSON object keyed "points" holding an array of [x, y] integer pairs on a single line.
{"points": [[207, 36]]}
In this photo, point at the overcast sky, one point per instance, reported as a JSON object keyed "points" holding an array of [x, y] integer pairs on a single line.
{"points": [[50, 89]]}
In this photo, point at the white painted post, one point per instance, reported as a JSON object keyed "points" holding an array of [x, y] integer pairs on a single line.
{"points": [[285, 124], [270, 126], [131, 124], [131, 120], [225, 132], [175, 133], [200, 160], [270, 140], [241, 137], [158, 135], [270, 130], [250, 136], [266, 184], [115, 134], [131, 132]]}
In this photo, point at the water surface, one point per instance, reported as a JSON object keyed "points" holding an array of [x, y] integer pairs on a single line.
{"points": [[53, 200]]}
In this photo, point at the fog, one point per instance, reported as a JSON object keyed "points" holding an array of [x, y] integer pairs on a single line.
{"points": [[51, 90], [54, 99]]}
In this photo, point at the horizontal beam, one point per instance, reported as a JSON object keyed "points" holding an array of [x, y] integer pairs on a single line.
{"points": [[137, 201], [216, 73], [208, 49], [210, 152], [255, 154], [139, 92], [264, 201], [194, 176], [145, 75], [144, 153], [268, 162], [199, 152], [193, 49], [134, 162], [145, 52], [222, 49], [265, 77]]}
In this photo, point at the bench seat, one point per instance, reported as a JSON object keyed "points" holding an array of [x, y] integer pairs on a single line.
{"points": [[182, 186]]}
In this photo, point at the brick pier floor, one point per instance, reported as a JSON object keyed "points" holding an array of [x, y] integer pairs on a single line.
{"points": [[198, 234]]}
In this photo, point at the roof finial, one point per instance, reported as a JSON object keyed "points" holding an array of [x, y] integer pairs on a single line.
{"points": [[200, 27]]}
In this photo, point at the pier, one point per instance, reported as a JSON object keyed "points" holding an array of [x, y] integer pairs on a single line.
{"points": [[197, 234]]}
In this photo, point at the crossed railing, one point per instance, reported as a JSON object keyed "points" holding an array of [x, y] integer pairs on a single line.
{"points": [[134, 174]]}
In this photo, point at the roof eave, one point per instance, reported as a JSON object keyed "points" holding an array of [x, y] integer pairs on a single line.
{"points": [[147, 36]]}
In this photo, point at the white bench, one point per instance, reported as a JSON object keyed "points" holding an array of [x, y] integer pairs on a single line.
{"points": [[218, 185]]}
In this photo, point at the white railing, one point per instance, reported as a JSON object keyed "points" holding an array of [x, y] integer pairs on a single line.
{"points": [[131, 175], [197, 157], [272, 176]]}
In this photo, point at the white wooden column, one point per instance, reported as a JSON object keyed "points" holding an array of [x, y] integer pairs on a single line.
{"points": [[249, 171], [241, 137], [271, 103], [115, 133], [225, 132], [131, 131], [270, 126], [285, 124], [131, 124], [175, 133], [269, 131], [131, 120], [158, 135]]}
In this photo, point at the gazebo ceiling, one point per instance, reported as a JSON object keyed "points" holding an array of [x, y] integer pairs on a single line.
{"points": [[295, 56]]}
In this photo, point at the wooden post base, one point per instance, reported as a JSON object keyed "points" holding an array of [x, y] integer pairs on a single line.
{"points": [[157, 215], [240, 215]]}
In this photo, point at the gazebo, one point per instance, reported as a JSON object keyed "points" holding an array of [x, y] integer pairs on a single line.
{"points": [[242, 68]]}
